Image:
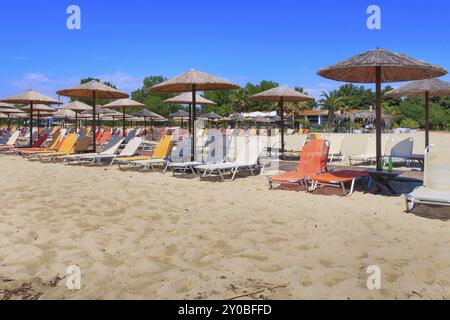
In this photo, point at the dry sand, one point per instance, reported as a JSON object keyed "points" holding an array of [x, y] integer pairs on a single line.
{"points": [[153, 236]]}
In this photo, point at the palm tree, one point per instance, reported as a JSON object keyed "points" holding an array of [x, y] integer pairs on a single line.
{"points": [[332, 103], [240, 100]]}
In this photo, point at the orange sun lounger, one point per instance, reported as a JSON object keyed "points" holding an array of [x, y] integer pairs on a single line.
{"points": [[337, 179], [313, 161]]}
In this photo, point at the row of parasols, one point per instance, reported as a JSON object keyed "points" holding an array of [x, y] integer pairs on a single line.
{"points": [[376, 66]]}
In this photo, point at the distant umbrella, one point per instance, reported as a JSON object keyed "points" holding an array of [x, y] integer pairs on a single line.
{"points": [[147, 114], [424, 88], [181, 115], [380, 66], [281, 95], [8, 110], [211, 116], [30, 97], [76, 107], [193, 81], [124, 104], [93, 90]]}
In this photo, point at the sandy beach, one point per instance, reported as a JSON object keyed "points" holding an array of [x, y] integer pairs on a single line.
{"points": [[153, 236]]}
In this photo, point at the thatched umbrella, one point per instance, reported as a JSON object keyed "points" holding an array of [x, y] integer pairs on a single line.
{"points": [[281, 95], [147, 114], [38, 110], [8, 109], [93, 90], [65, 114], [193, 81], [31, 97], [181, 115], [124, 104], [380, 66], [113, 115], [76, 107], [186, 98], [211, 116], [424, 88]]}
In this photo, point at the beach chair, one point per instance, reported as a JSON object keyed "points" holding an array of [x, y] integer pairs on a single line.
{"points": [[436, 185], [130, 150], [336, 143], [216, 153], [82, 145], [160, 156], [336, 179], [401, 151], [109, 149], [369, 154], [67, 147], [10, 144], [55, 145], [248, 153], [313, 161]]}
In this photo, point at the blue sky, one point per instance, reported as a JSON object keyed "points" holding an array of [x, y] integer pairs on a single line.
{"points": [[242, 40]]}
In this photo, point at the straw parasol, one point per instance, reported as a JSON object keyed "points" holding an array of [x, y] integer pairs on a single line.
{"points": [[281, 95], [124, 104], [186, 98], [38, 110], [425, 88], [380, 66], [181, 115], [212, 116], [93, 90], [8, 109], [30, 97], [193, 81], [76, 107], [147, 114]]}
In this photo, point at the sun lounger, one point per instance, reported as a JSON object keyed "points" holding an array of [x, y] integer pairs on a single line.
{"points": [[160, 156], [31, 152], [336, 179], [401, 151], [10, 144], [66, 148], [216, 153], [129, 151], [248, 153], [370, 154], [336, 143], [436, 186], [110, 149], [313, 161]]}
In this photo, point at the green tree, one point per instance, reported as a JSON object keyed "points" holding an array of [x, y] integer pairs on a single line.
{"points": [[332, 102]]}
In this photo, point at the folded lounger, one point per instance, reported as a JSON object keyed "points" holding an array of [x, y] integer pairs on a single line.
{"points": [[313, 161], [248, 152], [436, 186]]}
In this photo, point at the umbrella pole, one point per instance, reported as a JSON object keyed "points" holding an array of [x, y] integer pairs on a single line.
{"points": [[123, 121], [31, 124], [190, 118], [145, 125], [94, 124], [76, 121], [282, 125], [9, 123], [378, 117], [194, 115], [427, 119], [39, 122]]}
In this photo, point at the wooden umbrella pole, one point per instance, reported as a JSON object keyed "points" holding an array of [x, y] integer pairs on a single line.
{"points": [[31, 124], [190, 118], [123, 121], [39, 123], [94, 124], [9, 123], [378, 117], [282, 125], [76, 121], [427, 119], [194, 116]]}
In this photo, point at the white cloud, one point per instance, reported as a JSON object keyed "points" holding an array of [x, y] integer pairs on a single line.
{"points": [[123, 81], [18, 58]]}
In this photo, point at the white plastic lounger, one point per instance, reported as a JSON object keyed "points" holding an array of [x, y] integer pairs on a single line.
{"points": [[436, 187], [248, 152], [370, 154], [401, 151], [336, 143], [129, 151], [216, 154], [110, 149]]}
